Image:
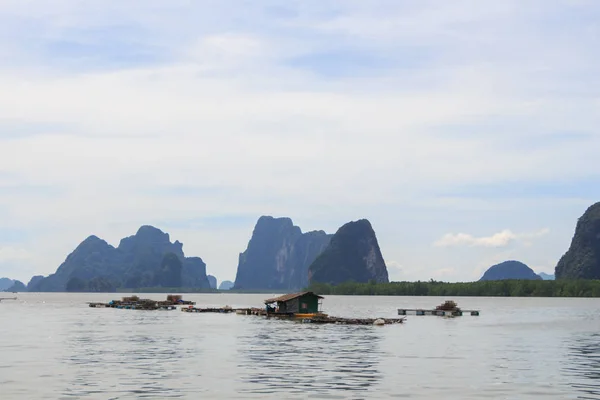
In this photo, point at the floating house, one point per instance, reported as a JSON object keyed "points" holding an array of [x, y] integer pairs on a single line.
{"points": [[300, 305], [306, 307]]}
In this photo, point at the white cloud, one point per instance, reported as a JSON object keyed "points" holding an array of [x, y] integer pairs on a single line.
{"points": [[499, 239], [456, 95]]}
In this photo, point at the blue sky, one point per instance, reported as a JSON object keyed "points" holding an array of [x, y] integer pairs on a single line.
{"points": [[466, 131]]}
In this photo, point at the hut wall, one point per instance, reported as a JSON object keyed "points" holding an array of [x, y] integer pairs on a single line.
{"points": [[292, 306], [281, 307], [308, 304]]}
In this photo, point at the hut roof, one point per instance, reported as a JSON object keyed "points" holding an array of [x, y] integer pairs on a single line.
{"points": [[287, 297]]}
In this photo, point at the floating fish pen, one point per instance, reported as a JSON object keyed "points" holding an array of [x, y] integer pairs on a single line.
{"points": [[176, 299], [447, 309], [221, 310], [135, 303]]}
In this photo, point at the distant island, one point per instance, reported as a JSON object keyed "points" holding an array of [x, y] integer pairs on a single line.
{"points": [[226, 285], [278, 255], [145, 260], [546, 277], [10, 285], [281, 257], [509, 270]]}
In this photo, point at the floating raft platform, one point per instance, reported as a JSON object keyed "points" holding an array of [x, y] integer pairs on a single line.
{"points": [[221, 310], [319, 318], [305, 307], [439, 313], [135, 303], [251, 311], [352, 321], [7, 298], [140, 306], [446, 309]]}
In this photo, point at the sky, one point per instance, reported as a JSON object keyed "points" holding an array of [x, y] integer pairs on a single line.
{"points": [[467, 132]]}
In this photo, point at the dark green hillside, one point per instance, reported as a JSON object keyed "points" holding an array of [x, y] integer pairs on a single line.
{"points": [[353, 254], [509, 270], [582, 260]]}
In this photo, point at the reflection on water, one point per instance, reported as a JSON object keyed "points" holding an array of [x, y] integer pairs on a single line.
{"points": [[584, 365], [291, 357], [140, 362]]}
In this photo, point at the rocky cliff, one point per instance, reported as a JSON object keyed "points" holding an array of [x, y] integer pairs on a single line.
{"points": [[582, 260], [509, 270], [146, 259], [212, 281], [34, 281], [278, 255], [353, 254], [193, 274]]}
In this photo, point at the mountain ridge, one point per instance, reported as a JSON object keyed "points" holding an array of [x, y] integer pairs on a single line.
{"points": [[141, 260]]}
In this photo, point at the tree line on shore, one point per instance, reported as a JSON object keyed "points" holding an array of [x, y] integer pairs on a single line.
{"points": [[503, 288]]}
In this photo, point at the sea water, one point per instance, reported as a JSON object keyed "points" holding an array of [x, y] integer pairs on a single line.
{"points": [[53, 346]]}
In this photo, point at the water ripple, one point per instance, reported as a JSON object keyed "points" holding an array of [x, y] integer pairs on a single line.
{"points": [[583, 364], [52, 346], [324, 360]]}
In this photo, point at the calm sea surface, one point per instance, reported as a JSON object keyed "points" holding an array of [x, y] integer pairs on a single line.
{"points": [[53, 346]]}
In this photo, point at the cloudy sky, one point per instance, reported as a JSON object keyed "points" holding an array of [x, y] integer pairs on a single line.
{"points": [[467, 132]]}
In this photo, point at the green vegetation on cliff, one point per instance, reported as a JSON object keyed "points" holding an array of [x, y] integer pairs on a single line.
{"points": [[505, 288], [582, 260]]}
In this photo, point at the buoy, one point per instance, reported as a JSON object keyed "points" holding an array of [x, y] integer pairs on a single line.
{"points": [[379, 321]]}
